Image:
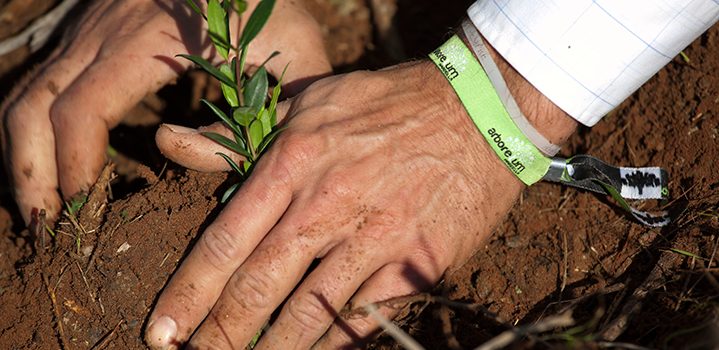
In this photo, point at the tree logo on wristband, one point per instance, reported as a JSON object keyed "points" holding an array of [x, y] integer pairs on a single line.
{"points": [[452, 60]]}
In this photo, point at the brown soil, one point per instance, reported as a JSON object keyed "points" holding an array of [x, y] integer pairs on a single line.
{"points": [[560, 248]]}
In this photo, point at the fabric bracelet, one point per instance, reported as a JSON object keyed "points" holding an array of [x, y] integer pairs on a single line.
{"points": [[488, 112]]}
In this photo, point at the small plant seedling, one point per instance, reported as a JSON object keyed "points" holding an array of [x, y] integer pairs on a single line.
{"points": [[75, 204], [252, 118], [72, 208]]}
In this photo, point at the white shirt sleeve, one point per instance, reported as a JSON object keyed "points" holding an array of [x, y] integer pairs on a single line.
{"points": [[587, 56]]}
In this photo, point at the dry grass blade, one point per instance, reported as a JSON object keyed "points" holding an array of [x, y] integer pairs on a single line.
{"points": [[508, 337], [395, 332], [655, 279]]}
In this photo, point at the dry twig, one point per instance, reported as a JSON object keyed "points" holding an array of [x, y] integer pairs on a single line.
{"points": [[104, 341], [400, 302], [39, 31], [654, 280], [395, 332], [509, 336]]}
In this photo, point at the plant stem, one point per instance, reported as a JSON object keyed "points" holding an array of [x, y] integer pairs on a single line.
{"points": [[241, 80]]}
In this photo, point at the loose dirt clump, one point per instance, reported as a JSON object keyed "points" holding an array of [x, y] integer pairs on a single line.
{"points": [[97, 284]]}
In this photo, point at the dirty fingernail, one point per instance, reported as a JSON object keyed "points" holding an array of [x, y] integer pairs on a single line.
{"points": [[161, 333], [179, 129]]}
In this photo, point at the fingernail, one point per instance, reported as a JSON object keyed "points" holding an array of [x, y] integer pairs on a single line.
{"points": [[177, 129], [161, 333]]}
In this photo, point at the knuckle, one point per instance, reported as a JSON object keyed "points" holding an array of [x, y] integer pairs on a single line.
{"points": [[60, 111], [251, 290], [219, 246], [13, 116], [338, 185], [308, 313], [355, 333], [357, 76], [363, 327], [298, 150], [387, 224]]}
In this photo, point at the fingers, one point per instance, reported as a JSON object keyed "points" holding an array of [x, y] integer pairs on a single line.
{"points": [[315, 304], [266, 277], [255, 290], [221, 249], [394, 280], [94, 103], [301, 49], [29, 141], [189, 148]]}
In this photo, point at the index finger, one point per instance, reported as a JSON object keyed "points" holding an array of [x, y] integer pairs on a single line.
{"points": [[221, 249]]}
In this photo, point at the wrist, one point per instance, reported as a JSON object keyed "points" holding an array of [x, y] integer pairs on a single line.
{"points": [[548, 119]]}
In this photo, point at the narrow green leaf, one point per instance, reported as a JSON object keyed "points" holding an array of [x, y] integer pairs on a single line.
{"points": [[268, 140], [76, 203], [220, 114], [218, 27], [247, 166], [195, 8], [208, 67], [229, 91], [256, 134], [240, 139], [686, 253], [276, 91], [264, 118], [272, 55], [244, 115], [257, 20], [256, 89], [218, 39], [230, 191], [227, 143], [232, 163]]}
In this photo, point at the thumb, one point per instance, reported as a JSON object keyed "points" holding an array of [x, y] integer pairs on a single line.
{"points": [[189, 148]]}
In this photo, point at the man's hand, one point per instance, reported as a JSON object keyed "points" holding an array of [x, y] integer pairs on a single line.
{"points": [[380, 175], [55, 123]]}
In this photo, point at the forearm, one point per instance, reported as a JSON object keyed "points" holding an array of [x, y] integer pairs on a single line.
{"points": [[548, 119]]}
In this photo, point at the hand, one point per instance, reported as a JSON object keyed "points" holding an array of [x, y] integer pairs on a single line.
{"points": [[381, 175], [56, 121]]}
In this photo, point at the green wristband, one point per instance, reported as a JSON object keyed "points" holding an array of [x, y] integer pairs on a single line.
{"points": [[487, 111]]}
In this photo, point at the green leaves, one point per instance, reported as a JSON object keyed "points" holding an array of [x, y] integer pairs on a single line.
{"points": [[229, 144], [257, 20], [219, 27], [256, 89], [256, 134], [251, 121], [195, 8], [209, 68], [229, 91], [218, 112], [244, 115]]}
